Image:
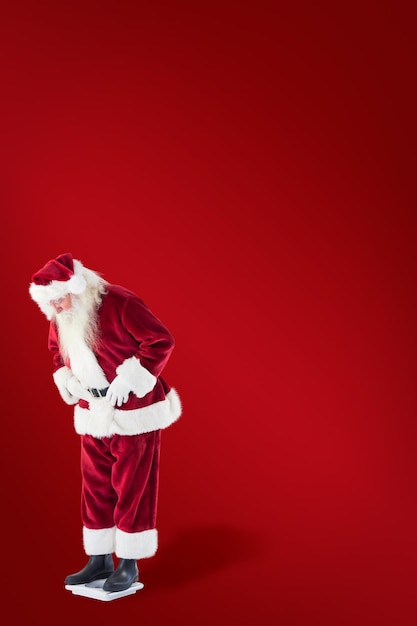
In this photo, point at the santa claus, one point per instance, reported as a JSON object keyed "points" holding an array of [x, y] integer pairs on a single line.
{"points": [[108, 353]]}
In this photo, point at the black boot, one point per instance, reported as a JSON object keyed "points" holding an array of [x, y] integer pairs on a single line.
{"points": [[125, 575], [98, 566]]}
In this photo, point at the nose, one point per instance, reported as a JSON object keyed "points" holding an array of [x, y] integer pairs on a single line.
{"points": [[56, 305]]}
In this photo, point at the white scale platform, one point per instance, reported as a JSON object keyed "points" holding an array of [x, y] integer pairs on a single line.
{"points": [[95, 590]]}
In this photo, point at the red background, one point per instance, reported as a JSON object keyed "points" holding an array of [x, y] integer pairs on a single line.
{"points": [[248, 169]]}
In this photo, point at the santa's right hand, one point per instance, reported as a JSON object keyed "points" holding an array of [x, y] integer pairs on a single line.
{"points": [[77, 390]]}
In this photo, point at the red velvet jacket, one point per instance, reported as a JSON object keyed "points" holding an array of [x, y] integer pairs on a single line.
{"points": [[134, 344]]}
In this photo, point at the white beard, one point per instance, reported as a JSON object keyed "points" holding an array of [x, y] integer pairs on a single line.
{"points": [[78, 333]]}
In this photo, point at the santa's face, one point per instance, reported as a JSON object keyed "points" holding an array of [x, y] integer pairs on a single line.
{"points": [[62, 304]]}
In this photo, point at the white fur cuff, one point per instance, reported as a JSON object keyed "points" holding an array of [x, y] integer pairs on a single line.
{"points": [[139, 379], [99, 541], [61, 378], [140, 545]]}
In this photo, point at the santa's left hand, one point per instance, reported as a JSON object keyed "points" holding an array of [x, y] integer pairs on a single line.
{"points": [[118, 392]]}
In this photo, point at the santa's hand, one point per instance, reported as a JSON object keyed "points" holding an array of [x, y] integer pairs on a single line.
{"points": [[77, 390], [118, 392]]}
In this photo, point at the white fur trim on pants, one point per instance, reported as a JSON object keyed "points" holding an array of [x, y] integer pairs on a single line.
{"points": [[140, 545], [100, 541]]}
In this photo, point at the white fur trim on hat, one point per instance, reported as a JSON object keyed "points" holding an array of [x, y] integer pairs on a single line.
{"points": [[56, 289]]}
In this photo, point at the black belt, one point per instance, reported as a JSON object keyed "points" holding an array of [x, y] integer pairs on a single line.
{"points": [[98, 393]]}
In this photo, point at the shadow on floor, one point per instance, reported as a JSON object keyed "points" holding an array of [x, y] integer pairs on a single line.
{"points": [[198, 552]]}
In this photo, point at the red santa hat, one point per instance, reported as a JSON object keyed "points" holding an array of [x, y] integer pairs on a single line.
{"points": [[56, 279]]}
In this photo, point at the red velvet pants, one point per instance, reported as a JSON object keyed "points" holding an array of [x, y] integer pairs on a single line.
{"points": [[120, 489]]}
